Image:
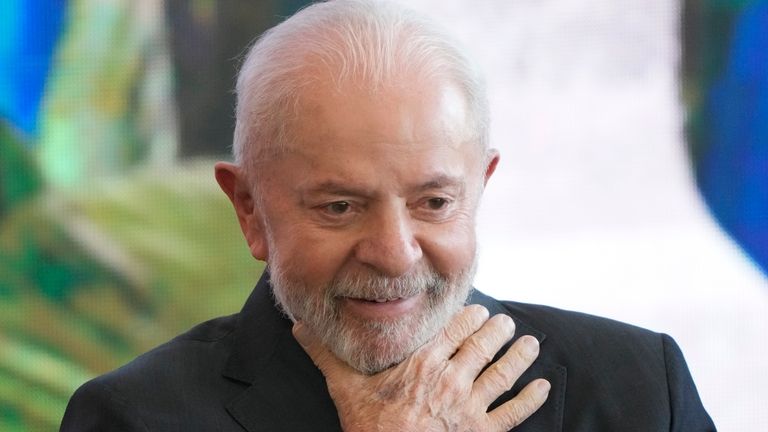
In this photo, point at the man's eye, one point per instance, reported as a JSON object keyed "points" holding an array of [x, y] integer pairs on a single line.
{"points": [[339, 207], [436, 203]]}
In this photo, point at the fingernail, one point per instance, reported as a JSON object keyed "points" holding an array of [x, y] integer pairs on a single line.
{"points": [[479, 311], [544, 386], [531, 344], [510, 323]]}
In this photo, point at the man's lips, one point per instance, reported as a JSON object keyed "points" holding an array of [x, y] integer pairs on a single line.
{"points": [[381, 308], [382, 300]]}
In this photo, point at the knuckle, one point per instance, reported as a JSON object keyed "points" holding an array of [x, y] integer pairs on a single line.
{"points": [[428, 355], [517, 411], [522, 359], [417, 367], [510, 366], [503, 374], [427, 367], [465, 324], [452, 337], [500, 380], [479, 350], [451, 386], [522, 406]]}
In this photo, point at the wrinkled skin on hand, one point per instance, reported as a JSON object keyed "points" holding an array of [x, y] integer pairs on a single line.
{"points": [[440, 387]]}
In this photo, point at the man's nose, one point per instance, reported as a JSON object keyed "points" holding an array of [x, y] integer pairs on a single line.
{"points": [[389, 243]]}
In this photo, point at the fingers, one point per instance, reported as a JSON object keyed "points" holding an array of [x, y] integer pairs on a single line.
{"points": [[465, 323], [501, 375], [331, 367], [480, 348], [515, 411]]}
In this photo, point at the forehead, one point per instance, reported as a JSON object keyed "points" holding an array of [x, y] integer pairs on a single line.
{"points": [[409, 117], [379, 142]]}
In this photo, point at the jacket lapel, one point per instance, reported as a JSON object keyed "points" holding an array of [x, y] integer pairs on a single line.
{"points": [[549, 418], [288, 395], [287, 392]]}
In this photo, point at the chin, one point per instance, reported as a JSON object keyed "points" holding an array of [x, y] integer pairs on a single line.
{"points": [[375, 355], [373, 346]]}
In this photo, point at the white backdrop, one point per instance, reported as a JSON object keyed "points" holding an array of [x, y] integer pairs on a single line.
{"points": [[593, 206]]}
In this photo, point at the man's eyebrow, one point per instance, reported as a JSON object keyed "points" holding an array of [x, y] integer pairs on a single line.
{"points": [[442, 181], [336, 188]]}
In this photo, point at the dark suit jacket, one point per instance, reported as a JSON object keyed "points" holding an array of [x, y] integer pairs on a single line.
{"points": [[246, 372]]}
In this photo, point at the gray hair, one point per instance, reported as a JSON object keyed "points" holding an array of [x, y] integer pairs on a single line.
{"points": [[373, 42]]}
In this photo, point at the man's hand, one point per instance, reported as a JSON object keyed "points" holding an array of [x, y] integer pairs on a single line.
{"points": [[437, 388]]}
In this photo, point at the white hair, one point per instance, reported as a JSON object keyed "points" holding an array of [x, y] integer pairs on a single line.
{"points": [[376, 43]]}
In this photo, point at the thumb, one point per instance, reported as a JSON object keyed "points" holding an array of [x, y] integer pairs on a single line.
{"points": [[328, 363]]}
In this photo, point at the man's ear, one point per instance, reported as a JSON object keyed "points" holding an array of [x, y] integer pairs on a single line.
{"points": [[234, 183], [491, 160]]}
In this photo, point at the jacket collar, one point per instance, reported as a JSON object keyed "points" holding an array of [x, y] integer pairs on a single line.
{"points": [[496, 307], [549, 417], [286, 391]]}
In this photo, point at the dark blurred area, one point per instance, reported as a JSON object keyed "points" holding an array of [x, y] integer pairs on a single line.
{"points": [[208, 40]]}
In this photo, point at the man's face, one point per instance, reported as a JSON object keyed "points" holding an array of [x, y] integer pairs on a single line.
{"points": [[369, 218]]}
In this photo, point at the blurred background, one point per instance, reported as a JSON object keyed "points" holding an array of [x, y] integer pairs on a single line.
{"points": [[633, 182]]}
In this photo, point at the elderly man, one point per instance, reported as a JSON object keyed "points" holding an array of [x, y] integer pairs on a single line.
{"points": [[361, 152]]}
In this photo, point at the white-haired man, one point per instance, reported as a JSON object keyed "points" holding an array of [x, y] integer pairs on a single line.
{"points": [[361, 151]]}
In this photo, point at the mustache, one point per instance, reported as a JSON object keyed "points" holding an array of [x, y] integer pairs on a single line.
{"points": [[372, 285]]}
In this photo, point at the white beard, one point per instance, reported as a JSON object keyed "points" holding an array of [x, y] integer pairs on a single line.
{"points": [[371, 346]]}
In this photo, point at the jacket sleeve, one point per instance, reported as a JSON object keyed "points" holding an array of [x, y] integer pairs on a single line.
{"points": [[95, 407], [688, 413]]}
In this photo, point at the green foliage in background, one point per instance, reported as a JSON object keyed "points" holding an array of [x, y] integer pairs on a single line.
{"points": [[92, 277], [19, 177]]}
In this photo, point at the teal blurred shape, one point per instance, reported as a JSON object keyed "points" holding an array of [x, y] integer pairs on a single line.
{"points": [[19, 175]]}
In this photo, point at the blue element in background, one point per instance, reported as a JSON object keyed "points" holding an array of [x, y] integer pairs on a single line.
{"points": [[29, 31], [734, 168]]}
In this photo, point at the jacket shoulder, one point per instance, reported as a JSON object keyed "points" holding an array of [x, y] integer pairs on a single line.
{"points": [[589, 346], [181, 375], [616, 370], [201, 345], [555, 321]]}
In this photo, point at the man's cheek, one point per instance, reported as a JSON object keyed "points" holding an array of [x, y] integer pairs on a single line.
{"points": [[326, 252], [452, 251]]}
